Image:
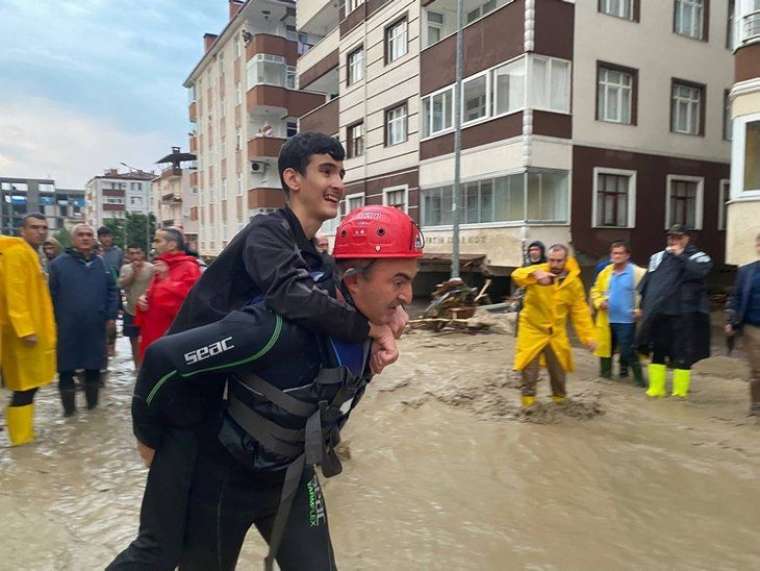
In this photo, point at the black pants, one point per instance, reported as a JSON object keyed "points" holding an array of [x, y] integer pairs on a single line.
{"points": [[226, 499], [672, 337], [23, 398], [66, 379]]}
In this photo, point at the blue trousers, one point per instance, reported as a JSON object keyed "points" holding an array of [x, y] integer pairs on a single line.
{"points": [[623, 340]]}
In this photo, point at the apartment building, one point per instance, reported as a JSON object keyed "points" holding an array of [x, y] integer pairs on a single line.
{"points": [[22, 196], [583, 122], [744, 207], [174, 201], [113, 194], [243, 106]]}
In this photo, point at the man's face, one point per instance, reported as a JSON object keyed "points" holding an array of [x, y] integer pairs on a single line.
{"points": [[557, 259], [678, 240], [49, 251], [161, 244], [34, 231], [321, 189], [534, 252], [378, 291], [106, 240], [619, 255], [83, 239], [135, 255]]}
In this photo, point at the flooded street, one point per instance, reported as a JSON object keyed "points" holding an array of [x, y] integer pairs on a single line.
{"points": [[445, 472]]}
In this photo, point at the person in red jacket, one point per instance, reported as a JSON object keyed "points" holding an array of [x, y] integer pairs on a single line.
{"points": [[175, 274]]}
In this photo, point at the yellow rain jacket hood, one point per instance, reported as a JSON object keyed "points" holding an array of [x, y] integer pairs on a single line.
{"points": [[543, 320], [599, 294], [25, 309]]}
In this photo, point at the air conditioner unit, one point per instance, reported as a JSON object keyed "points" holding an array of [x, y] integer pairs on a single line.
{"points": [[258, 167]]}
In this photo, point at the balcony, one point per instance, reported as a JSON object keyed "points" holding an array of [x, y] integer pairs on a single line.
{"points": [[316, 17], [262, 148], [323, 119], [171, 198], [751, 26], [193, 112], [272, 45], [296, 103], [265, 198]]}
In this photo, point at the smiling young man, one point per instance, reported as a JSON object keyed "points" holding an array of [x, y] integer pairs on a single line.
{"points": [[290, 392], [273, 259]]}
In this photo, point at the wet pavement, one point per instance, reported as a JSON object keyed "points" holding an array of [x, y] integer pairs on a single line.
{"points": [[445, 473]]}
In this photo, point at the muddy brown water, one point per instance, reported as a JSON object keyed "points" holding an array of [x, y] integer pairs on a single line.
{"points": [[445, 473]]}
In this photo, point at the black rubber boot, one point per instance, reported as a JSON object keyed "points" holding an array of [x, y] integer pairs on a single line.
{"points": [[69, 402], [605, 367], [91, 394], [638, 374]]}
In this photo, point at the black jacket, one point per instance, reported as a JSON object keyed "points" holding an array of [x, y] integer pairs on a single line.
{"points": [[272, 257], [738, 303]]}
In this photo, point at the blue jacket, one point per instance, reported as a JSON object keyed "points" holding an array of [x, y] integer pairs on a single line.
{"points": [[84, 298], [738, 302]]}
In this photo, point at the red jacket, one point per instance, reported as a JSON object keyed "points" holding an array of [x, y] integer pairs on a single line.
{"points": [[165, 296]]}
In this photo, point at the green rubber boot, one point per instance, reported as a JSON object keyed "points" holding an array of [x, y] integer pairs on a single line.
{"points": [[657, 376], [638, 374], [681, 382], [605, 367]]}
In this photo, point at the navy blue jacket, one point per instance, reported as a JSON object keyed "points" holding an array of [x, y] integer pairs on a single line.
{"points": [[738, 301], [84, 298]]}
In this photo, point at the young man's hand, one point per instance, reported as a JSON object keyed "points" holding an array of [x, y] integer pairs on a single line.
{"points": [[142, 303], [384, 348], [544, 278], [604, 305], [29, 340], [400, 319], [591, 345], [146, 453]]}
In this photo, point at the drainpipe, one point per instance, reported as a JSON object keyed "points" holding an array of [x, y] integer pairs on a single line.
{"points": [[457, 143]]}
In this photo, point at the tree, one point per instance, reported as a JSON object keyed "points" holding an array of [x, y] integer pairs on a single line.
{"points": [[116, 226], [64, 238], [139, 230]]}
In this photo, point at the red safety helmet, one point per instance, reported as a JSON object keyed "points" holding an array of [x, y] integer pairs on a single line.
{"points": [[377, 232]]}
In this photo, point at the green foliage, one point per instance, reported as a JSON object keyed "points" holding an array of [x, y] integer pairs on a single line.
{"points": [[64, 238], [137, 231]]}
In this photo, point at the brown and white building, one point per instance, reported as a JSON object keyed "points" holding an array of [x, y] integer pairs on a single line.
{"points": [[744, 208], [113, 194], [243, 106], [174, 201], [583, 121]]}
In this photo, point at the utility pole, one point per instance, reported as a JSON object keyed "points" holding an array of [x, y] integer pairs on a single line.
{"points": [[457, 143]]}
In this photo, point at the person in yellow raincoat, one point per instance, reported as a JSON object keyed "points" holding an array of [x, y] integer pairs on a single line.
{"points": [[554, 292], [615, 299], [28, 326]]}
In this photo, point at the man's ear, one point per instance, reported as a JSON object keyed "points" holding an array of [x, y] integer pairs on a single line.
{"points": [[292, 179], [351, 280]]}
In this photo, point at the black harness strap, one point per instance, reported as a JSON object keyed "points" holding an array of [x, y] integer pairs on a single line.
{"points": [[280, 398]]}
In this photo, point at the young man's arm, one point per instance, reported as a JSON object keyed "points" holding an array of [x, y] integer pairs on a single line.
{"points": [[274, 263], [243, 339], [16, 292], [598, 293], [126, 276], [524, 277]]}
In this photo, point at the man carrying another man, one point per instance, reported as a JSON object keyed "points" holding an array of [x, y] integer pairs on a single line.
{"points": [[615, 299], [554, 292]]}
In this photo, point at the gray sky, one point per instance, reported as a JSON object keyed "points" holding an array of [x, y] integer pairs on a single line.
{"points": [[87, 84]]}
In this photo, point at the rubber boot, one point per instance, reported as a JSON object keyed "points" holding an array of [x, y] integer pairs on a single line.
{"points": [[638, 374], [605, 367], [69, 402], [528, 401], [91, 394], [657, 376], [20, 421], [559, 400], [681, 382]]}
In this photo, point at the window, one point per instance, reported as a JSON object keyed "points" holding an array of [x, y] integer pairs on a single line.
{"points": [[724, 196], [304, 45], [614, 198], [238, 94], [352, 5], [20, 186], [396, 197], [508, 87], [290, 78], [684, 204], [751, 154], [352, 202], [539, 196], [46, 187], [438, 112], [355, 140], [396, 125], [550, 83], [687, 108], [727, 125], [225, 195], [689, 18], [615, 93], [291, 129], [355, 65], [749, 27], [238, 139], [474, 99], [483, 9], [436, 22], [396, 40], [619, 8], [237, 46], [239, 186], [730, 25], [266, 69]]}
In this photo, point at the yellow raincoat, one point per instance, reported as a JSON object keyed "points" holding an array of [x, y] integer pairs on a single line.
{"points": [[599, 294], [543, 320], [25, 309]]}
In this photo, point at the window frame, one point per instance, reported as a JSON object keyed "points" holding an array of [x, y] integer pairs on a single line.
{"points": [[727, 119], [351, 140], [440, 26], [431, 96], [347, 201], [632, 187], [704, 24], [487, 106], [739, 156], [634, 89], [698, 202], [390, 189], [386, 123], [724, 196], [530, 76], [387, 37], [702, 106], [350, 79], [634, 9]]}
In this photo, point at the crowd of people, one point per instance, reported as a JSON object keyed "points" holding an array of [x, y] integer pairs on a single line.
{"points": [[247, 372], [59, 309]]}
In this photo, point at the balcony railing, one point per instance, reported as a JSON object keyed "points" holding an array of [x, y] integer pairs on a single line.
{"points": [[751, 26]]}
